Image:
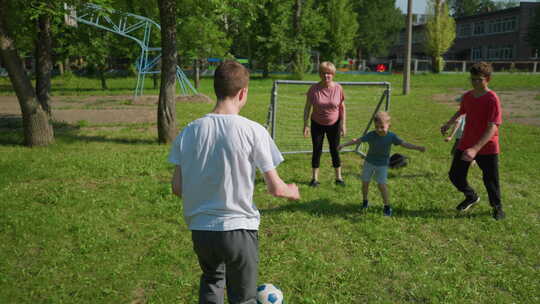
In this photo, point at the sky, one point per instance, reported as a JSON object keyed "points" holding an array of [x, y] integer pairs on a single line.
{"points": [[419, 6]]}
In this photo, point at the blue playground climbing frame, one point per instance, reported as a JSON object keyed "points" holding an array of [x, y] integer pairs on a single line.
{"points": [[129, 26]]}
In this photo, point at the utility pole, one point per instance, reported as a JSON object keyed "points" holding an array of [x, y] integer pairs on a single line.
{"points": [[408, 47]]}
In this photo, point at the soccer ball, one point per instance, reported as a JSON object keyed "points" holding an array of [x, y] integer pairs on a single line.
{"points": [[269, 294]]}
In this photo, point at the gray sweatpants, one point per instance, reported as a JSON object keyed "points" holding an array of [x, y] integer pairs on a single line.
{"points": [[227, 258]]}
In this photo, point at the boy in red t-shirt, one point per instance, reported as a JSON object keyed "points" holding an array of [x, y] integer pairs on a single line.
{"points": [[480, 140]]}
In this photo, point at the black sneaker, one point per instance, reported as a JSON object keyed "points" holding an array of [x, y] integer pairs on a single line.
{"points": [[340, 182], [313, 183], [387, 211], [498, 213], [468, 203], [365, 204]]}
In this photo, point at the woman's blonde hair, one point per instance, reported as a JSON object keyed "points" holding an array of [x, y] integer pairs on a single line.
{"points": [[327, 66], [382, 117]]}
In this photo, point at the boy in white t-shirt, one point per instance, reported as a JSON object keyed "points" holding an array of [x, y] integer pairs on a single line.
{"points": [[216, 157]]}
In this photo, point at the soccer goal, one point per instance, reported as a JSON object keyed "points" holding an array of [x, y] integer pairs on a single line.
{"points": [[285, 120]]}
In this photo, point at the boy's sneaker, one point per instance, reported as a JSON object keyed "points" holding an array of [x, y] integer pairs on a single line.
{"points": [[468, 203], [340, 182], [387, 211], [498, 213], [365, 204], [313, 183]]}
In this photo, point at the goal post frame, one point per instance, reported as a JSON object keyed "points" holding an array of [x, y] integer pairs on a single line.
{"points": [[274, 106]]}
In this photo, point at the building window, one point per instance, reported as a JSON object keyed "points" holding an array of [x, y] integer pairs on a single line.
{"points": [[479, 28], [500, 52], [418, 37], [501, 25], [476, 53], [464, 30]]}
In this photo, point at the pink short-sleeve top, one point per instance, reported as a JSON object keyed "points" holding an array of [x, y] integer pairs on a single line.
{"points": [[327, 103]]}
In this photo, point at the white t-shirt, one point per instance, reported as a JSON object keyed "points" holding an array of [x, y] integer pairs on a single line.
{"points": [[218, 155]]}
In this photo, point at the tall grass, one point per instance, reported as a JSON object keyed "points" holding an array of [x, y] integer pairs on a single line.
{"points": [[91, 219]]}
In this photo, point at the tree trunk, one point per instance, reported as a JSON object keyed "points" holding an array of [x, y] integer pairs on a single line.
{"points": [[103, 79], [197, 75], [298, 57], [38, 130], [166, 115], [359, 59], [44, 62], [67, 65], [155, 81]]}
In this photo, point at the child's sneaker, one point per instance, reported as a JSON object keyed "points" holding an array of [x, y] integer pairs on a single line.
{"points": [[365, 204], [387, 211], [340, 182], [468, 203], [498, 213], [313, 183]]}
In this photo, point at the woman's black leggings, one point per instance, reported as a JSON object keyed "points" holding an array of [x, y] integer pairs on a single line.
{"points": [[317, 137]]}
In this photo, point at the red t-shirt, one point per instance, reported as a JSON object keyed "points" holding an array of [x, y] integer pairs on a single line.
{"points": [[327, 103], [479, 112]]}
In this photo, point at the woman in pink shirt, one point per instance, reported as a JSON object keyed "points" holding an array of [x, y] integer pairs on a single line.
{"points": [[327, 100]]}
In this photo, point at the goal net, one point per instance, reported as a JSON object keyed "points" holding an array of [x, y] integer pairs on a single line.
{"points": [[285, 120]]}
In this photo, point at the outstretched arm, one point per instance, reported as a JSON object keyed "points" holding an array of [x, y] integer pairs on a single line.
{"points": [[278, 188], [176, 182], [449, 123], [413, 147], [351, 142], [453, 129]]}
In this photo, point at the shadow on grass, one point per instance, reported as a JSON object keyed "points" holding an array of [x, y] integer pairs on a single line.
{"points": [[435, 213], [11, 133], [325, 207], [319, 207]]}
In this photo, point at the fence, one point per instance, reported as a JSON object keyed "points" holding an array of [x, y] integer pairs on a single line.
{"points": [[463, 66]]}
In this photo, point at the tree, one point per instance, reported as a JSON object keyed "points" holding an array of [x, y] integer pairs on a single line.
{"points": [[202, 31], [342, 29], [166, 114], [533, 34], [309, 26], [462, 8], [379, 22], [440, 33], [272, 33], [35, 108]]}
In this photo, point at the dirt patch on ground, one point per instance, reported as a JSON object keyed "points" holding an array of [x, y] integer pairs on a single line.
{"points": [[99, 109], [518, 106]]}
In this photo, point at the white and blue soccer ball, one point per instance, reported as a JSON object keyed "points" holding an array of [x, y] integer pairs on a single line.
{"points": [[269, 294]]}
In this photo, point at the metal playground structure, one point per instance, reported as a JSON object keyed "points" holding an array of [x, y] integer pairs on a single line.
{"points": [[134, 27]]}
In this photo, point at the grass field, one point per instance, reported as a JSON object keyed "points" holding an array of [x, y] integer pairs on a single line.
{"points": [[91, 219]]}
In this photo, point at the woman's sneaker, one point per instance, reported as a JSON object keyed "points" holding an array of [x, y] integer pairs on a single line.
{"points": [[498, 213], [387, 211], [313, 183], [365, 204], [468, 203], [340, 182]]}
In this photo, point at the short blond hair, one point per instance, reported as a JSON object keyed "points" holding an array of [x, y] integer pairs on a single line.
{"points": [[327, 66], [381, 117]]}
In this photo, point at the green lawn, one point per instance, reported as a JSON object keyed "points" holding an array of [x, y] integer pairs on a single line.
{"points": [[91, 219]]}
